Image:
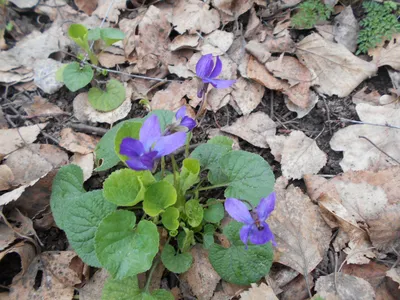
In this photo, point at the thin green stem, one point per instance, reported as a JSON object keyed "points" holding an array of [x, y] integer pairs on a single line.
{"points": [[155, 264], [175, 170], [188, 139], [206, 188]]}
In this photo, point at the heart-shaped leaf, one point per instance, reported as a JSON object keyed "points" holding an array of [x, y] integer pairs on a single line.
{"points": [[109, 99], [237, 264], [158, 197], [76, 77], [123, 249], [79, 34], [177, 263], [170, 218], [111, 35], [214, 212]]}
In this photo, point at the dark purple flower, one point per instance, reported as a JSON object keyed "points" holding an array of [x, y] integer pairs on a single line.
{"points": [[207, 72], [255, 228], [184, 120], [151, 145]]}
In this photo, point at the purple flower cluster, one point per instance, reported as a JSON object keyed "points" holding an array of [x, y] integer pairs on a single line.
{"points": [[255, 228], [152, 144]]}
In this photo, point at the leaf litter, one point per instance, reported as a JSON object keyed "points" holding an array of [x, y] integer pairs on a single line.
{"points": [[311, 74]]}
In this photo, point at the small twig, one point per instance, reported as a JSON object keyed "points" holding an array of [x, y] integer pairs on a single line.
{"points": [[367, 123], [373, 144], [88, 129], [328, 115], [272, 105]]}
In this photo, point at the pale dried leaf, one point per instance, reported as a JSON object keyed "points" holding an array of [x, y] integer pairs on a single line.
{"points": [[217, 43], [87, 6], [103, 9], [15, 194], [260, 74], [372, 98], [24, 3], [7, 236], [42, 108], [45, 75], [359, 153], [346, 29], [86, 162], [201, 276], [262, 291], [326, 31], [21, 224], [254, 128], [110, 60], [277, 143], [247, 95], [77, 142], [394, 274], [6, 178], [258, 51], [13, 139], [84, 112], [93, 288], [184, 41], [281, 276], [302, 112], [297, 288], [218, 98], [172, 98], [335, 70], [181, 70], [193, 15], [389, 56], [280, 43], [26, 253], [346, 286], [233, 7], [301, 234]]}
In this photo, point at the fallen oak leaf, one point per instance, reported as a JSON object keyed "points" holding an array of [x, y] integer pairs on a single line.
{"points": [[247, 95]]}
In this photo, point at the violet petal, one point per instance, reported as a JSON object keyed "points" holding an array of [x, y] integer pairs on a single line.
{"points": [[261, 236], [168, 144], [135, 163], [131, 147], [147, 159], [244, 233], [217, 69], [266, 206], [205, 66], [220, 83], [238, 211], [181, 113], [188, 122], [150, 132]]}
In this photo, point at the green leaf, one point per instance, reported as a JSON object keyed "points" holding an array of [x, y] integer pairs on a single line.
{"points": [[164, 117], [194, 212], [79, 34], [170, 218], [82, 218], [189, 174], [128, 289], [111, 35], [221, 140], [107, 100], [208, 236], [94, 34], [176, 263], [125, 187], [59, 73], [214, 213], [185, 239], [249, 176], [106, 157], [128, 129], [76, 77], [237, 264], [67, 184], [123, 249], [158, 197]]}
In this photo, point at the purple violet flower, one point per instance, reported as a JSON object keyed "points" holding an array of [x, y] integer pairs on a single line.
{"points": [[151, 145], [207, 72], [255, 228], [184, 120]]}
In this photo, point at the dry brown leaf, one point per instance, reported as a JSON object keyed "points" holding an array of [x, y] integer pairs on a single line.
{"points": [[297, 288], [86, 162], [280, 276], [282, 42], [247, 95], [21, 224], [262, 291], [389, 56], [13, 139], [301, 234], [26, 253], [24, 3], [335, 70], [359, 153], [184, 41], [201, 276], [254, 128], [7, 236], [42, 108], [326, 31], [302, 112], [217, 43], [109, 9], [346, 28], [233, 8], [276, 143], [6, 178], [364, 197], [45, 75], [87, 6], [84, 112], [394, 274], [371, 98], [217, 98], [172, 98], [258, 51], [110, 60], [345, 286], [193, 15], [260, 74], [77, 142], [34, 161], [375, 274], [93, 288]]}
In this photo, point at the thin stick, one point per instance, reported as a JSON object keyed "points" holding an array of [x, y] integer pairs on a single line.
{"points": [[373, 144], [328, 115], [272, 105], [88, 129], [367, 123]]}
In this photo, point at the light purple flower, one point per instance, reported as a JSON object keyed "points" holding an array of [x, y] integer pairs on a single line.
{"points": [[151, 145], [184, 120], [207, 72], [255, 228]]}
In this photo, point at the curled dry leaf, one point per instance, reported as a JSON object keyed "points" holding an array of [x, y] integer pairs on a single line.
{"points": [[217, 98], [301, 234], [172, 98], [371, 98], [326, 31], [254, 128], [93, 288], [361, 154], [389, 55], [346, 28], [84, 112], [77, 142], [394, 274], [247, 95], [217, 43], [258, 51], [45, 75], [6, 177], [194, 15], [201, 276], [111, 57], [335, 70], [87, 6], [21, 224], [42, 108], [86, 162], [109, 9], [7, 236], [279, 43], [302, 112], [262, 291], [184, 41], [363, 199], [26, 253], [13, 139], [345, 286], [233, 8]]}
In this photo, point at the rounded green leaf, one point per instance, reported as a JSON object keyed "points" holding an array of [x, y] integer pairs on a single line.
{"points": [[94, 34], [176, 263], [79, 34], [208, 236], [158, 197], [185, 239], [123, 248], [111, 35], [215, 212], [82, 218], [221, 140], [124, 188], [189, 174], [76, 77], [249, 176], [109, 99], [237, 264], [194, 212], [170, 218], [128, 129]]}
